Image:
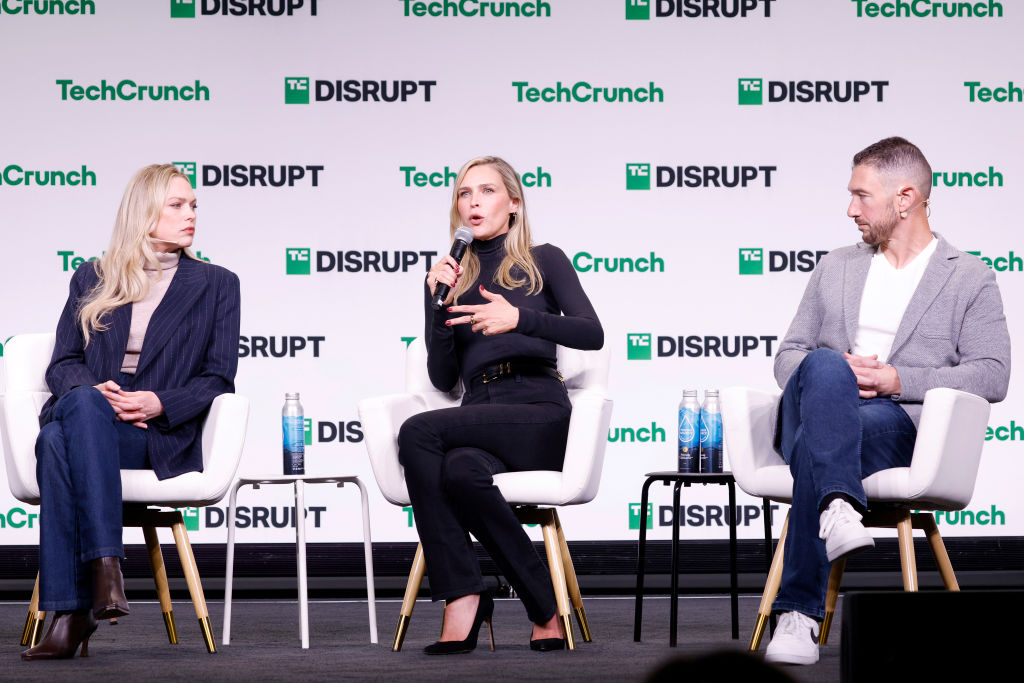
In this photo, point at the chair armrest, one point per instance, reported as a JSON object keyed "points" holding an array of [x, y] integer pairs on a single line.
{"points": [[748, 416], [584, 449], [223, 442], [19, 423], [381, 418]]}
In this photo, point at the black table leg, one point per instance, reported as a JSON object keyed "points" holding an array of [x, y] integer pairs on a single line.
{"points": [[733, 581], [638, 610], [674, 601]]}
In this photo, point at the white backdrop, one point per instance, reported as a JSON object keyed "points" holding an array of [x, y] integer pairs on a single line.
{"points": [[459, 73]]}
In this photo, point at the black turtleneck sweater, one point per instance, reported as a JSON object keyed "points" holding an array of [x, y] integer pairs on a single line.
{"points": [[560, 313]]}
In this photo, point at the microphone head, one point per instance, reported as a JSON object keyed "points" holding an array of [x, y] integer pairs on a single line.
{"points": [[464, 234]]}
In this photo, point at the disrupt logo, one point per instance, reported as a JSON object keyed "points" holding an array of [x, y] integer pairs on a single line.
{"points": [[296, 90], [475, 8], [1010, 93], [804, 261], [991, 178], [697, 9], [751, 91], [1012, 263], [72, 262], [277, 347], [638, 176], [928, 8], [277, 517], [992, 516], [651, 434], [638, 346], [699, 515], [584, 262], [191, 518], [129, 90], [247, 175], [582, 91], [14, 175], [298, 261], [1014, 432], [329, 432], [445, 178], [18, 518], [47, 7], [186, 9]]}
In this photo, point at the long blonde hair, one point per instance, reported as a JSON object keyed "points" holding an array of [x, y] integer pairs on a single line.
{"points": [[122, 279], [517, 267]]}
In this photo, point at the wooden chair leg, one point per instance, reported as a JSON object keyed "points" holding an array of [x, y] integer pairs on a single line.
{"points": [[771, 589], [835, 578], [412, 589], [554, 554], [571, 583], [925, 521], [32, 633], [163, 590], [905, 533], [195, 586]]}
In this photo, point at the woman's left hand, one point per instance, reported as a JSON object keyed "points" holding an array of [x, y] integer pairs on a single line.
{"points": [[496, 317], [136, 407]]}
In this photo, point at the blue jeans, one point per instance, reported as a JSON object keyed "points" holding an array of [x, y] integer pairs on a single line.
{"points": [[832, 439], [79, 457]]}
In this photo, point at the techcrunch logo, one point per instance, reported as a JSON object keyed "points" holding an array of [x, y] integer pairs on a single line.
{"points": [[751, 91], [1011, 263], [2, 346], [186, 9], [475, 8], [445, 178], [927, 8], [14, 175], [128, 90], [1010, 93], [993, 516], [18, 518], [700, 515], [991, 178], [298, 261], [697, 9], [1013, 432], [243, 175], [47, 7], [584, 262], [638, 176], [297, 88], [803, 261], [582, 91], [72, 262], [277, 347], [652, 434], [639, 346]]}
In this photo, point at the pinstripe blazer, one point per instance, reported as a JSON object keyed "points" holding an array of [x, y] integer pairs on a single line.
{"points": [[189, 357], [953, 333]]}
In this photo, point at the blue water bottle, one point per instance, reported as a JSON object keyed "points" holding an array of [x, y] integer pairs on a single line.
{"points": [[294, 431], [711, 433], [689, 432]]}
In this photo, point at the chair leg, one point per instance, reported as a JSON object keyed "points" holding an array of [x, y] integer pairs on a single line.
{"points": [[835, 578], [771, 588], [34, 621], [905, 532], [412, 589], [931, 529], [195, 587], [163, 591], [571, 583], [554, 554]]}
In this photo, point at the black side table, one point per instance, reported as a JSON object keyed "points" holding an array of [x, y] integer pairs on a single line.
{"points": [[680, 480]]}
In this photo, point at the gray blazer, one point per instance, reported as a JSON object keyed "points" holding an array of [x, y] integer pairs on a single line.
{"points": [[953, 333]]}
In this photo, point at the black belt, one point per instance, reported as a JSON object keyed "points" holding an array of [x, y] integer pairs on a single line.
{"points": [[515, 367]]}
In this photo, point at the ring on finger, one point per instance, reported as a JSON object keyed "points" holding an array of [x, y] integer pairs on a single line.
{"points": [[472, 319]]}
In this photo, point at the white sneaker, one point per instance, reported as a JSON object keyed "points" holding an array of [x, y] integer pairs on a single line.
{"points": [[839, 526], [795, 640]]}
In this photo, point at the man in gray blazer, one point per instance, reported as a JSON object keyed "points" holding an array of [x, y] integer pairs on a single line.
{"points": [[880, 323]]}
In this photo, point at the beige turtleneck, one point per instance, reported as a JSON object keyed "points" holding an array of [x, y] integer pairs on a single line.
{"points": [[142, 311]]}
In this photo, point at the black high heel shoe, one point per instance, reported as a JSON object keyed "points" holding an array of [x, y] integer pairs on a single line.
{"points": [[67, 631], [547, 644], [484, 612]]}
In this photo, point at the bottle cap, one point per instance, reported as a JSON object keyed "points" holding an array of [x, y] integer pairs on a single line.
{"points": [[291, 397]]}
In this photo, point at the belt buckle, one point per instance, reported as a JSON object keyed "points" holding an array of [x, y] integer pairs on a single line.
{"points": [[503, 369]]}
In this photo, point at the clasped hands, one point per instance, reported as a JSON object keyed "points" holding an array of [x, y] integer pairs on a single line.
{"points": [[874, 378], [131, 406]]}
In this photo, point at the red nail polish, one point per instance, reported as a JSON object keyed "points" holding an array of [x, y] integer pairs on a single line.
{"points": [[447, 323], [449, 309]]}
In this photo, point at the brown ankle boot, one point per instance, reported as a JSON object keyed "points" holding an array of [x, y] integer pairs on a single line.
{"points": [[67, 631], [108, 598]]}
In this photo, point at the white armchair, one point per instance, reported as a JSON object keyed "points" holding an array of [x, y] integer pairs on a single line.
{"points": [[26, 358], [941, 476], [586, 374]]}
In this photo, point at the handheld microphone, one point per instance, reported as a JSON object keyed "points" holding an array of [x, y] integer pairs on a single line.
{"points": [[463, 238], [157, 239]]}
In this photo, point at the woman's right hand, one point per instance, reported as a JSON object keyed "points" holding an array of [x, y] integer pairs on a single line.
{"points": [[446, 271]]}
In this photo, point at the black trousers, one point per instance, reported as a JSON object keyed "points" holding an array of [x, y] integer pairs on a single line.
{"points": [[450, 456]]}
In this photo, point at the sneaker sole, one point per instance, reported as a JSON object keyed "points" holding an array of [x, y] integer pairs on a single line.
{"points": [[789, 658], [851, 547]]}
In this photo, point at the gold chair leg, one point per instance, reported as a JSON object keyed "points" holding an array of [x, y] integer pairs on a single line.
{"points": [[163, 590], [34, 620], [771, 589], [571, 582], [835, 579], [926, 522], [554, 554], [905, 533], [195, 586], [412, 589]]}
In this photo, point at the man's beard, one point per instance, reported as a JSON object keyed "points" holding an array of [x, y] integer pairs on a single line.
{"points": [[880, 231]]}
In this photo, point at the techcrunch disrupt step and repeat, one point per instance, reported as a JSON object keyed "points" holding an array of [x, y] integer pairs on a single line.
{"points": [[15, 175], [127, 90], [250, 175]]}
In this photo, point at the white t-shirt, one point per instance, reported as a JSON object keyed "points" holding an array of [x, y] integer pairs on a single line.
{"points": [[887, 292]]}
